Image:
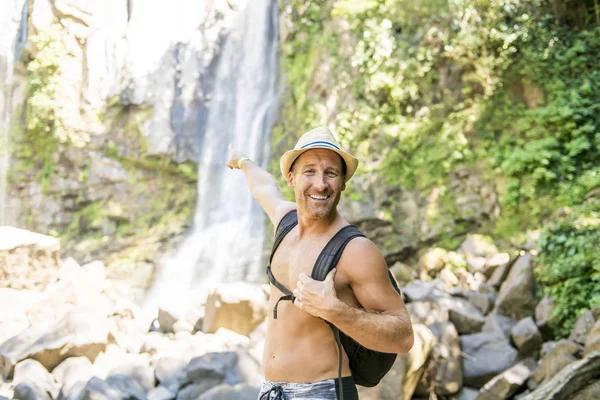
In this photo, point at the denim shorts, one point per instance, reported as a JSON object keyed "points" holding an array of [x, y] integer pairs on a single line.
{"points": [[322, 390]]}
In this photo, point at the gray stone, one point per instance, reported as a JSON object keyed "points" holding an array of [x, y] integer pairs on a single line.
{"points": [[241, 391], [569, 380], [98, 389], [465, 316], [161, 393], [82, 332], [483, 302], [170, 371], [73, 374], [527, 337], [32, 373], [591, 391], [427, 312], [485, 355], [465, 394], [517, 294], [195, 390], [166, 320], [30, 391], [543, 313], [582, 326], [420, 290], [592, 342], [443, 373], [564, 353], [498, 323], [499, 275], [505, 385]]}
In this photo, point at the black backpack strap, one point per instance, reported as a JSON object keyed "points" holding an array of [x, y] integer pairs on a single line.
{"points": [[287, 223], [332, 252]]}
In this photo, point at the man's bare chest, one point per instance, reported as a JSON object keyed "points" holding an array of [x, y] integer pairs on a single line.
{"points": [[294, 257]]}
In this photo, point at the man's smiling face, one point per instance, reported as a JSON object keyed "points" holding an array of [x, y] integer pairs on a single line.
{"points": [[318, 181]]}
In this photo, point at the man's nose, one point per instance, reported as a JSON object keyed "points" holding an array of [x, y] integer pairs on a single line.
{"points": [[320, 182]]}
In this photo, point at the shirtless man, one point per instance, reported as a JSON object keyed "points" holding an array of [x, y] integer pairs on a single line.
{"points": [[300, 359]]}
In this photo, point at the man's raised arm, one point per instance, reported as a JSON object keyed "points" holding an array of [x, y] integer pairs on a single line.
{"points": [[262, 185]]}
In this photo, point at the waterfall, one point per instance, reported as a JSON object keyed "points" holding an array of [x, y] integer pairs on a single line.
{"points": [[13, 34], [226, 241]]}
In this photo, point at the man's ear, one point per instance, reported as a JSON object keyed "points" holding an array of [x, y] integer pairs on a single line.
{"points": [[344, 184], [290, 179]]}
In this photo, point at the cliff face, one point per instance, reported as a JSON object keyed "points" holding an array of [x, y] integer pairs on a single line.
{"points": [[108, 102]]}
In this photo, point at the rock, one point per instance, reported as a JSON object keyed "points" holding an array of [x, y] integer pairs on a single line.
{"points": [[498, 323], [569, 380], [591, 391], [448, 278], [465, 317], [443, 373], [183, 326], [123, 370], [238, 306], [170, 371], [229, 367], [161, 393], [30, 391], [403, 273], [427, 312], [28, 260], [14, 319], [485, 355], [465, 394], [33, 374], [505, 385], [547, 347], [527, 337], [73, 375], [420, 290], [499, 275], [564, 353], [241, 391], [582, 326], [166, 320], [592, 341], [543, 312], [433, 260], [478, 245], [98, 389], [195, 390], [517, 294], [483, 302], [82, 332], [401, 381]]}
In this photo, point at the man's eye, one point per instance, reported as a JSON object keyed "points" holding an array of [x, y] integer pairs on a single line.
{"points": [[309, 171], [332, 174]]}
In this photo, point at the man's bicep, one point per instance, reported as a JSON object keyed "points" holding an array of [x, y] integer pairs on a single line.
{"points": [[368, 277]]}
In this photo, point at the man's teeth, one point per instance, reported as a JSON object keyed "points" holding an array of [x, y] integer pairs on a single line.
{"points": [[312, 196]]}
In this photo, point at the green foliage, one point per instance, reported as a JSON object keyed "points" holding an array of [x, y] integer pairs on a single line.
{"points": [[43, 120], [569, 269]]}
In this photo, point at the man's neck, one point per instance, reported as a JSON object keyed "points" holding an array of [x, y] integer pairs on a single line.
{"points": [[308, 225]]}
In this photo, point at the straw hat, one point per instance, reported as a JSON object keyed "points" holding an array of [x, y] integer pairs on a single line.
{"points": [[318, 138]]}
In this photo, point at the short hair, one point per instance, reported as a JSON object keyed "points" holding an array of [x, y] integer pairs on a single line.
{"points": [[344, 168]]}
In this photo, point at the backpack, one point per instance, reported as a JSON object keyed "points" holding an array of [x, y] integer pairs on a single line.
{"points": [[368, 366]]}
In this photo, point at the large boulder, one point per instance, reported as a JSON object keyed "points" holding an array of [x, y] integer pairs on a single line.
{"points": [[564, 353], [28, 260], [33, 374], [464, 315], [82, 332], [485, 355], [401, 381], [592, 342], [527, 337], [582, 326], [516, 298], [443, 374], [427, 312], [543, 313], [238, 306], [13, 311], [569, 380], [72, 375]]}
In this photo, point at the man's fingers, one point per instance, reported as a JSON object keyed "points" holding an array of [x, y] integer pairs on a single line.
{"points": [[330, 275]]}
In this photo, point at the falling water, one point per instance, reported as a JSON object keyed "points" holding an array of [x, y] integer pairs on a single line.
{"points": [[13, 34], [227, 238]]}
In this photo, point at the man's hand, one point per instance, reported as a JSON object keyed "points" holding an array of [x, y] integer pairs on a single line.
{"points": [[316, 297], [234, 157]]}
